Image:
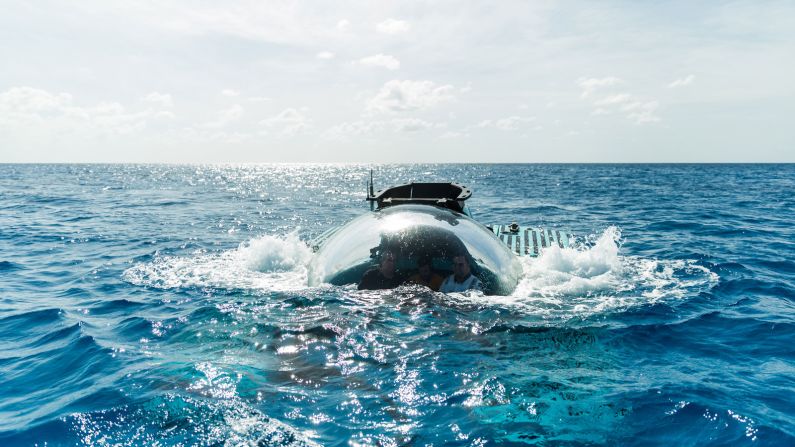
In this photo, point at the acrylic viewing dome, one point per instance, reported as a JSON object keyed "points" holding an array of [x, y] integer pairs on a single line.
{"points": [[412, 231]]}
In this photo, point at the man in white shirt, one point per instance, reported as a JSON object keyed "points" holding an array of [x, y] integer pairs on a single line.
{"points": [[462, 278]]}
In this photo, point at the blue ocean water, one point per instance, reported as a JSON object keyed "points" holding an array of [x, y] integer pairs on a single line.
{"points": [[167, 305]]}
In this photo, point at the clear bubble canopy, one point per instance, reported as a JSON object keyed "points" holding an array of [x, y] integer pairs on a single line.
{"points": [[412, 232]]}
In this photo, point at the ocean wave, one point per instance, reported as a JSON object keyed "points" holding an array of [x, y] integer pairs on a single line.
{"points": [[48, 380]]}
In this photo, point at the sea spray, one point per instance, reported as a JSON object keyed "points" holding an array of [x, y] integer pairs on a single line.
{"points": [[267, 263], [577, 270], [594, 278], [272, 254]]}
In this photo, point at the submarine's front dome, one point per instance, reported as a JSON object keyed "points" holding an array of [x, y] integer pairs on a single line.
{"points": [[412, 232]]}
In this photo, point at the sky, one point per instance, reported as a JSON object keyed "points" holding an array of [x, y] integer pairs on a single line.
{"points": [[405, 81]]}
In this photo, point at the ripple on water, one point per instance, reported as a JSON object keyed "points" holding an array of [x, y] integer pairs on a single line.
{"points": [[48, 382], [8, 266], [18, 326]]}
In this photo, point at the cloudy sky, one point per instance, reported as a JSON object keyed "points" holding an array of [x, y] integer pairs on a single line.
{"points": [[404, 81]]}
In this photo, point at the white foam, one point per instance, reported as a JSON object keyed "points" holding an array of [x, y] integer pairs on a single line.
{"points": [[268, 263], [271, 254], [595, 278], [586, 279]]}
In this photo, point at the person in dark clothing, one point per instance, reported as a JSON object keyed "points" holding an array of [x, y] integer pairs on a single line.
{"points": [[381, 277]]}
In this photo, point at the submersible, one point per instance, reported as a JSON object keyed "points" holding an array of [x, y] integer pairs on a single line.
{"points": [[427, 220]]}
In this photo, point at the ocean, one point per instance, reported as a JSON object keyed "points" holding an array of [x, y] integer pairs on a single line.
{"points": [[168, 305]]}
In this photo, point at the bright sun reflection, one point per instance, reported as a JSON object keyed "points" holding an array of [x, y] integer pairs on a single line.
{"points": [[395, 222]]}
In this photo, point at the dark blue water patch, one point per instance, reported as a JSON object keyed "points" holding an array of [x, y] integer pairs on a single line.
{"points": [[26, 347], [770, 309], [50, 200], [133, 328], [26, 239], [657, 420], [749, 287], [651, 314], [758, 288], [79, 218], [782, 266], [678, 225], [769, 337], [114, 306], [158, 204], [8, 266], [18, 326], [48, 367], [730, 270], [74, 292], [165, 203], [44, 386], [109, 289]]}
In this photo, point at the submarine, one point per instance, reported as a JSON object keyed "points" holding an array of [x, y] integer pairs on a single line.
{"points": [[432, 221]]}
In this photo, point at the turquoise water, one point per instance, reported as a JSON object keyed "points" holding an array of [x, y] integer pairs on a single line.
{"points": [[168, 305]]}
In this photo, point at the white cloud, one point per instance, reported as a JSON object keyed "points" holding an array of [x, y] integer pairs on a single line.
{"points": [[635, 108], [613, 99], [591, 85], [164, 114], [343, 25], [346, 131], [216, 135], [287, 123], [325, 55], [506, 124], [393, 26], [412, 125], [230, 92], [381, 60], [356, 129], [292, 23], [42, 112], [449, 135], [31, 101], [407, 95], [162, 99], [642, 111], [226, 117], [681, 82]]}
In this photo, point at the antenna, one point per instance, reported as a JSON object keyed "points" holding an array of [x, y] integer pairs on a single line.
{"points": [[372, 205]]}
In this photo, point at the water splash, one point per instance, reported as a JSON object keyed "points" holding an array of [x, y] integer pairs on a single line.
{"points": [[594, 278], [575, 271], [274, 254], [268, 263], [588, 278]]}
